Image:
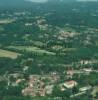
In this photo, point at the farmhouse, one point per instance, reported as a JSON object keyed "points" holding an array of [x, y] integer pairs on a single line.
{"points": [[85, 88], [70, 84], [87, 70]]}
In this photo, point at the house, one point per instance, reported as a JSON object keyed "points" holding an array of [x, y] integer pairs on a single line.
{"points": [[28, 91], [70, 84], [28, 24], [49, 89], [85, 88], [88, 70], [62, 87], [19, 81]]}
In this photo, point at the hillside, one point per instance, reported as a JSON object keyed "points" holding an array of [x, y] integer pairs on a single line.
{"points": [[48, 51]]}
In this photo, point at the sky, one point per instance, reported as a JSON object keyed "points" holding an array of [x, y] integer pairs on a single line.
{"points": [[46, 0], [38, 0], [87, 0]]}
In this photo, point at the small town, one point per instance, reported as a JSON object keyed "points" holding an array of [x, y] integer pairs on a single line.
{"points": [[48, 50]]}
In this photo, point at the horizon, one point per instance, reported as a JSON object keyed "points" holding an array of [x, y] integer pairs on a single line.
{"points": [[37, 0], [59, 0]]}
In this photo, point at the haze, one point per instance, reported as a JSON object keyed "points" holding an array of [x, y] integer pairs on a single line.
{"points": [[38, 0]]}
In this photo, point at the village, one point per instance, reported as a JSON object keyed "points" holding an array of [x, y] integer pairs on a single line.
{"points": [[43, 85], [49, 52]]}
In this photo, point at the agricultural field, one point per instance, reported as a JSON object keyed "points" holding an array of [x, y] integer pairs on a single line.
{"points": [[31, 49], [1, 29], [95, 90], [8, 54], [6, 21]]}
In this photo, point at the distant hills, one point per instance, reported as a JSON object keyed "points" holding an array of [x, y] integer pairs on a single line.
{"points": [[14, 3], [27, 3], [88, 0], [22, 3]]}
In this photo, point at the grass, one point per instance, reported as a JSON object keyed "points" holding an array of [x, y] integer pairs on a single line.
{"points": [[1, 28], [95, 90], [31, 49], [70, 49], [9, 54], [96, 43], [6, 21]]}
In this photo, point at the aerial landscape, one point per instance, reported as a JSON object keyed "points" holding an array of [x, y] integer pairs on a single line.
{"points": [[48, 49]]}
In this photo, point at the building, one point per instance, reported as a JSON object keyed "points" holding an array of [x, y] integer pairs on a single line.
{"points": [[87, 70], [86, 88], [70, 84]]}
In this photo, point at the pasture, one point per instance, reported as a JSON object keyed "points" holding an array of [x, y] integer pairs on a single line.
{"points": [[31, 49], [8, 54]]}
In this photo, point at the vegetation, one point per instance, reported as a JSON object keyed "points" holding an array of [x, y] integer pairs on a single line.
{"points": [[46, 46]]}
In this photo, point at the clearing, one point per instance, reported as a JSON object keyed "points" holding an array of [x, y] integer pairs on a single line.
{"points": [[31, 49], [6, 21], [9, 54]]}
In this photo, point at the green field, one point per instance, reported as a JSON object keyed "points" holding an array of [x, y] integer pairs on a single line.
{"points": [[6, 21], [95, 90], [31, 49], [9, 54]]}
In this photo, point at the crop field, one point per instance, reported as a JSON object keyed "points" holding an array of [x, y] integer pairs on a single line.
{"points": [[95, 90], [96, 43], [9, 54], [6, 21], [31, 49]]}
